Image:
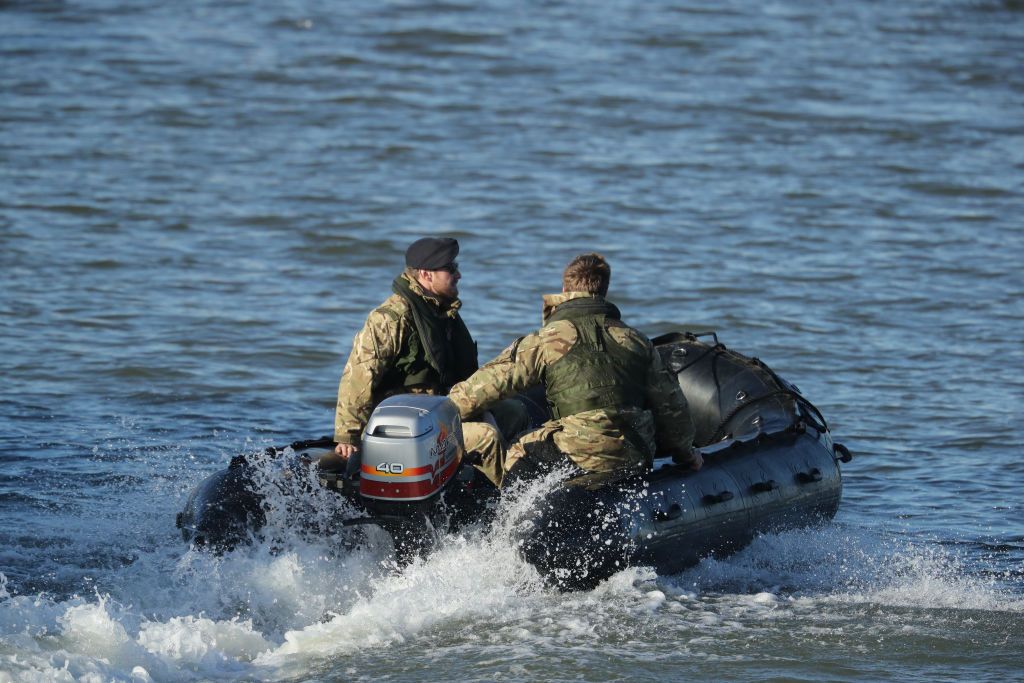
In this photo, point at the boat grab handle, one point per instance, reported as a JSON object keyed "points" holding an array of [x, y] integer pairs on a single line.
{"points": [[764, 486], [716, 498], [808, 477], [673, 512]]}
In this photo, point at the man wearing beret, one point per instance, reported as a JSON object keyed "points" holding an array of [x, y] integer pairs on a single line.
{"points": [[416, 342], [613, 405]]}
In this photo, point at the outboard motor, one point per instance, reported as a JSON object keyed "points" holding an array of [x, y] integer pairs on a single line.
{"points": [[412, 447], [412, 452]]}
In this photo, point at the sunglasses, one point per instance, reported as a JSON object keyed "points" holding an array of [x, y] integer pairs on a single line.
{"points": [[452, 267]]}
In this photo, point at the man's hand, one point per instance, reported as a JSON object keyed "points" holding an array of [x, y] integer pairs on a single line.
{"points": [[697, 460], [345, 450], [692, 459]]}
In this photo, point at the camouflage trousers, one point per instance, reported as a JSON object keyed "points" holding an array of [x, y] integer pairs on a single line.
{"points": [[588, 444], [489, 445]]}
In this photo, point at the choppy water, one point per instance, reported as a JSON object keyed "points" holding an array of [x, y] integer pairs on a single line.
{"points": [[199, 202]]}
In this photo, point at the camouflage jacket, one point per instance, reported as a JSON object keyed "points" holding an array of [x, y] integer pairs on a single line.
{"points": [[376, 349], [590, 438]]}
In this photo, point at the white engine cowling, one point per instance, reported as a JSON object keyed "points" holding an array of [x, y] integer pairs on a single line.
{"points": [[411, 447]]}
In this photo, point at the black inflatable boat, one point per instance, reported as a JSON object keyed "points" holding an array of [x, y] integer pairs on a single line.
{"points": [[770, 464]]}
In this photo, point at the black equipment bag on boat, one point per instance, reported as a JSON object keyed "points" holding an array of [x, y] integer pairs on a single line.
{"points": [[730, 395]]}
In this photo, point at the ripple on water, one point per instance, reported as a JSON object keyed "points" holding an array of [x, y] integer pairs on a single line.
{"points": [[203, 202]]}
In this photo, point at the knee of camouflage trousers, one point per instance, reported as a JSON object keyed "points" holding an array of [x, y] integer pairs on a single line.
{"points": [[537, 441], [512, 418], [536, 455], [484, 440]]}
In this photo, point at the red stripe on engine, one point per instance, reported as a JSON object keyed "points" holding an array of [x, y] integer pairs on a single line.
{"points": [[402, 490]]}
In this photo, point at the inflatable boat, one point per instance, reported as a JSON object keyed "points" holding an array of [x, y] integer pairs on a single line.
{"points": [[770, 464]]}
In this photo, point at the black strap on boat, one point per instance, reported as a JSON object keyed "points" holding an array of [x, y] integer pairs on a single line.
{"points": [[670, 337], [321, 442], [814, 415], [821, 425], [673, 337], [718, 435]]}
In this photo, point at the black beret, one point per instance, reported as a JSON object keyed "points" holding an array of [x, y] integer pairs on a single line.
{"points": [[431, 253]]}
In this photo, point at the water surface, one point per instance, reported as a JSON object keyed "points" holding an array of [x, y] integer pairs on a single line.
{"points": [[200, 203]]}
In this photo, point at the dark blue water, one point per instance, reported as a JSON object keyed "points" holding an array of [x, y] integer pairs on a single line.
{"points": [[200, 202]]}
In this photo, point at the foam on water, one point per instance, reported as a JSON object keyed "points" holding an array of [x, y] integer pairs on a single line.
{"points": [[295, 602], [203, 200], [840, 564]]}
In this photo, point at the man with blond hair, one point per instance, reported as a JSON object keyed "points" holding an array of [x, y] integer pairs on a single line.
{"points": [[613, 405]]}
